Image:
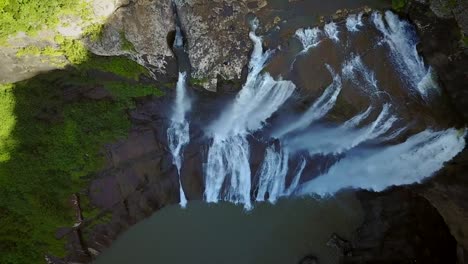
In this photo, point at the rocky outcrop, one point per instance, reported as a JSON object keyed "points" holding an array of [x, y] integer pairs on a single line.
{"points": [[217, 35], [442, 47], [16, 68], [401, 227], [140, 29], [139, 179]]}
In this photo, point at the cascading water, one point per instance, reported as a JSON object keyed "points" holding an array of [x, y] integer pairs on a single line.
{"points": [[331, 30], [178, 132], [318, 109], [359, 147], [309, 37], [272, 175], [411, 161], [355, 70], [401, 37], [354, 22], [336, 140], [228, 156]]}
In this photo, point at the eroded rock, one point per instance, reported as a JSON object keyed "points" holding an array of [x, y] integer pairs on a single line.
{"points": [[217, 34], [139, 29]]}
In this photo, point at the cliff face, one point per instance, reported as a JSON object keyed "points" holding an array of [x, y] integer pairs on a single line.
{"points": [[16, 68], [414, 217], [139, 177], [138, 29]]}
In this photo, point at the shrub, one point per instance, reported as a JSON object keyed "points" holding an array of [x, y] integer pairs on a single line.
{"points": [[31, 16], [42, 162], [398, 5]]}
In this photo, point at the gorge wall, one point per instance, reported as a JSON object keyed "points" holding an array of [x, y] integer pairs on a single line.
{"points": [[139, 178]]}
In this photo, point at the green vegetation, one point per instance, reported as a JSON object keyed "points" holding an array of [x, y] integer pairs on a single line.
{"points": [[126, 44], [199, 82], [47, 147], [36, 51], [465, 40], [451, 4], [78, 55], [7, 119], [94, 32], [398, 5], [31, 16]]}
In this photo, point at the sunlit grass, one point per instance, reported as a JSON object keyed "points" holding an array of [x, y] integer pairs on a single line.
{"points": [[7, 120]]}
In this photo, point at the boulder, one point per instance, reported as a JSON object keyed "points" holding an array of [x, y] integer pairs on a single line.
{"points": [[217, 35]]}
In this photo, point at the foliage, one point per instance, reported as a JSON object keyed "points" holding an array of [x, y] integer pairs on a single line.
{"points": [[451, 4], [36, 51], [398, 5], [31, 16], [7, 119], [126, 44], [94, 32], [78, 55], [199, 82], [465, 40], [48, 147]]}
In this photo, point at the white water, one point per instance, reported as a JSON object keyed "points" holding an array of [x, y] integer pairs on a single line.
{"points": [[354, 22], [228, 155], [401, 37], [309, 37], [409, 162], [318, 109], [272, 174], [295, 182], [336, 140], [227, 170], [364, 78], [331, 30], [178, 133]]}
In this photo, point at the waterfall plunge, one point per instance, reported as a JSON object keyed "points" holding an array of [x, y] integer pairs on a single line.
{"points": [[401, 37], [227, 170], [228, 156], [418, 157], [318, 109], [178, 132]]}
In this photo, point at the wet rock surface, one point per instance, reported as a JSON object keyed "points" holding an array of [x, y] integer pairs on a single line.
{"points": [[217, 35], [401, 227], [138, 180], [424, 223]]}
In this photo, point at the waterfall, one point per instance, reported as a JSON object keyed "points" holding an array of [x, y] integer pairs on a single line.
{"points": [[228, 156], [309, 37], [336, 140], [295, 182], [318, 109], [362, 147], [401, 37], [178, 132], [417, 158], [355, 70], [331, 30], [354, 22], [272, 174]]}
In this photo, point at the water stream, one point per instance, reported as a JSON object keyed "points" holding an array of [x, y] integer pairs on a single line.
{"points": [[340, 109]]}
